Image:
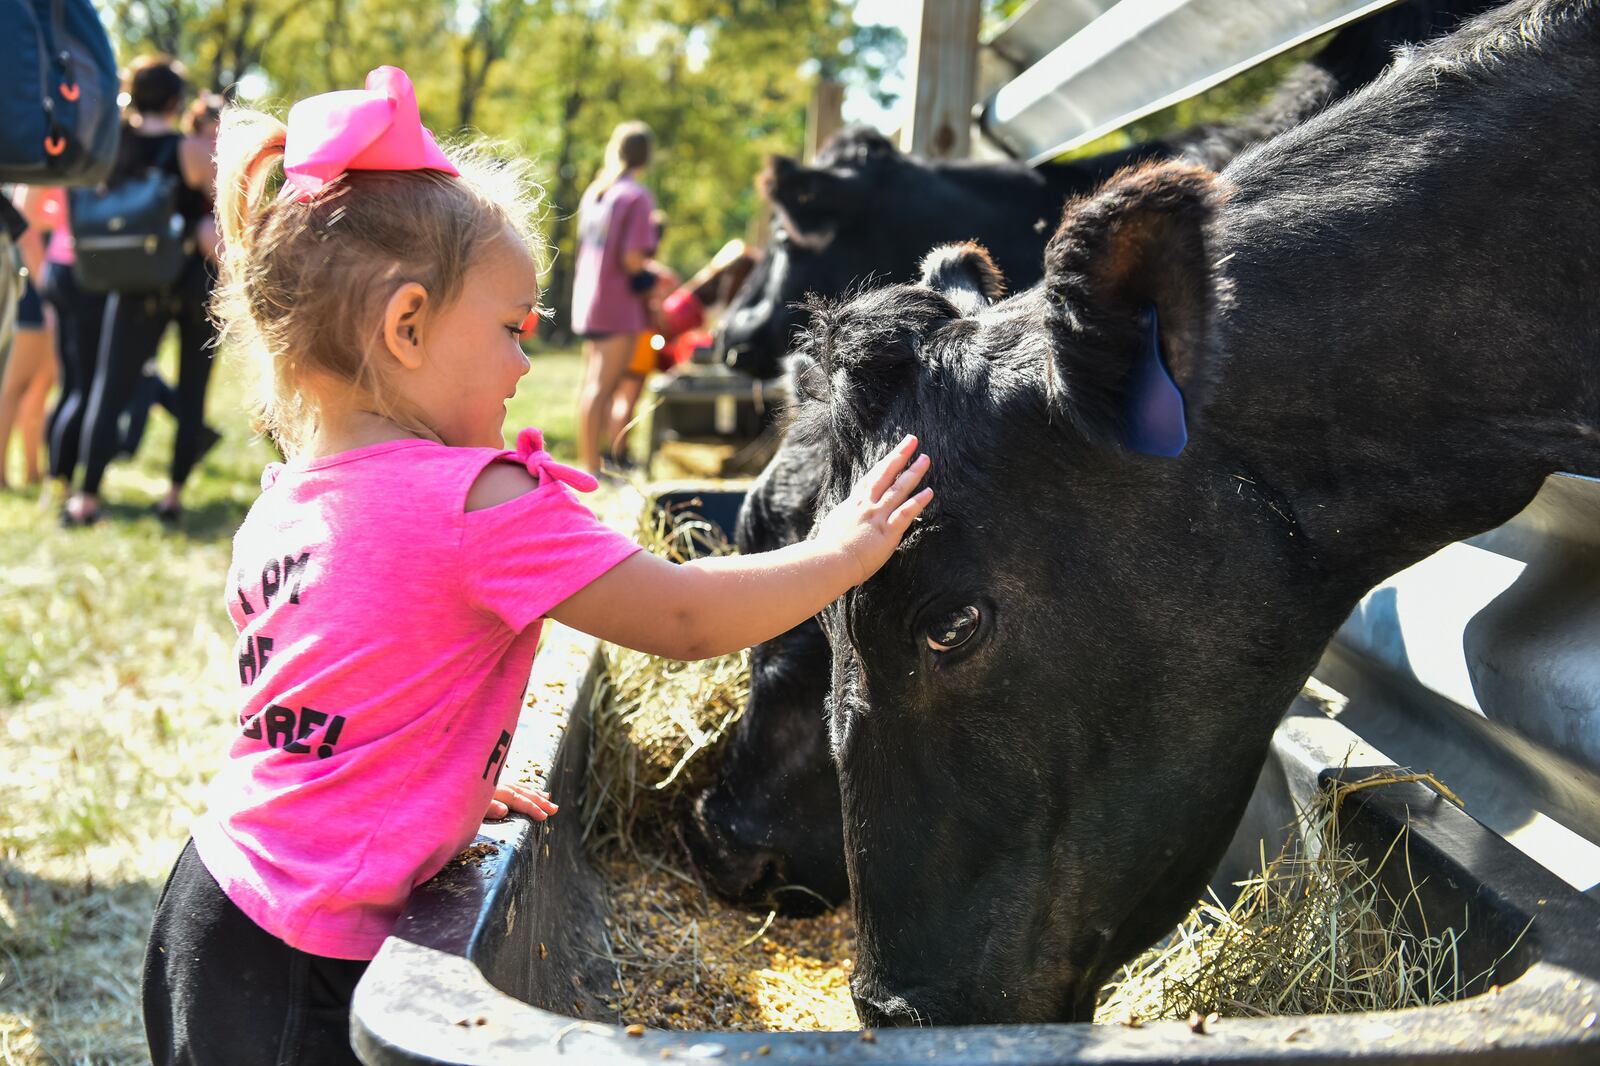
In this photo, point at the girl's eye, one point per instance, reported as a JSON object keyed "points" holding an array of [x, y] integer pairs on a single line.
{"points": [[954, 629], [525, 329]]}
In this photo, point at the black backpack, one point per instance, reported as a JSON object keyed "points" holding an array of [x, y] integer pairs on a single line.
{"points": [[130, 237], [58, 94]]}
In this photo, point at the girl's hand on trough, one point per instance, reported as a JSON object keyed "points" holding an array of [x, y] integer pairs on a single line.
{"points": [[867, 526], [523, 800]]}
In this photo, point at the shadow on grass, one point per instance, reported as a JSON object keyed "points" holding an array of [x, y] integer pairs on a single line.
{"points": [[211, 521], [74, 955]]}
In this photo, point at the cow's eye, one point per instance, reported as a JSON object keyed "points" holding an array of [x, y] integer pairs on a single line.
{"points": [[954, 629]]}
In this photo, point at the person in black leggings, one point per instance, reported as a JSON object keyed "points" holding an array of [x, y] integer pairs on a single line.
{"points": [[134, 323], [81, 314]]}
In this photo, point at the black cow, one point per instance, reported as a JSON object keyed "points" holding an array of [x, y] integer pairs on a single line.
{"points": [[772, 818], [865, 212], [1049, 708]]}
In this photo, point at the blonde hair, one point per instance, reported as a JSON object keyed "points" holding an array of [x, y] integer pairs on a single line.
{"points": [[628, 148], [303, 285]]}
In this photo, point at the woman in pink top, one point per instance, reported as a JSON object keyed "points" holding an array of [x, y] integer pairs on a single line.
{"points": [[390, 582], [616, 237]]}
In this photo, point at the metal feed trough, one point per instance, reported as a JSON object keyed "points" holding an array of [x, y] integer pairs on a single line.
{"points": [[494, 957], [1480, 664]]}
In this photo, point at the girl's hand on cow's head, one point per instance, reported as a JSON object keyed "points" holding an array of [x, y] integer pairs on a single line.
{"points": [[522, 799], [868, 525]]}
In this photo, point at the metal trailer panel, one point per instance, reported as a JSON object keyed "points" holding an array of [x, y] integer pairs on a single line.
{"points": [[1039, 26], [1024, 39], [1144, 55], [1483, 662]]}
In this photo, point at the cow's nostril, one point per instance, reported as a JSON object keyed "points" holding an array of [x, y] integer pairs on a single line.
{"points": [[883, 1011], [735, 868]]}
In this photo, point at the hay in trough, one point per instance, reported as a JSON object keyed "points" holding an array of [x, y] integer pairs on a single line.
{"points": [[686, 960], [657, 722], [1314, 931]]}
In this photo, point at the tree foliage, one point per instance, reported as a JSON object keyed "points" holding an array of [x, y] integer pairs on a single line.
{"points": [[722, 82]]}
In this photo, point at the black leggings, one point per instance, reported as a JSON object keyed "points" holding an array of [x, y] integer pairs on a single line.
{"points": [[132, 333], [79, 316], [220, 989]]}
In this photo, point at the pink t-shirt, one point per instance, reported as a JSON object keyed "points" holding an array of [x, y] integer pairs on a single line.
{"points": [[385, 640], [617, 221]]}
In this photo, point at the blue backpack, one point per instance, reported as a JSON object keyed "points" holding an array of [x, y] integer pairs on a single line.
{"points": [[58, 94]]}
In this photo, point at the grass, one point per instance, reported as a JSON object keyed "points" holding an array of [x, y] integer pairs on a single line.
{"points": [[116, 682]]}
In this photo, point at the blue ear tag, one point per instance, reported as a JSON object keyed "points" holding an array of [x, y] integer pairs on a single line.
{"points": [[1155, 421]]}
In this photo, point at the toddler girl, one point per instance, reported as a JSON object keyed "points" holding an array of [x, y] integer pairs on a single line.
{"points": [[390, 582]]}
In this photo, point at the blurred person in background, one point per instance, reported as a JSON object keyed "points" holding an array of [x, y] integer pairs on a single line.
{"points": [[12, 226], [31, 369], [616, 238], [134, 323], [199, 123], [646, 353], [79, 315]]}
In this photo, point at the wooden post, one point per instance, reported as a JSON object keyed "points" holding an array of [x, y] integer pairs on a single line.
{"points": [[824, 116], [758, 234], [944, 65]]}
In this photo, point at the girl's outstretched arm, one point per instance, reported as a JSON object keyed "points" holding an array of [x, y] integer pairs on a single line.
{"points": [[716, 606]]}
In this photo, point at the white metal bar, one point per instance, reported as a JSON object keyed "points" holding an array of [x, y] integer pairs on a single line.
{"points": [[1143, 55]]}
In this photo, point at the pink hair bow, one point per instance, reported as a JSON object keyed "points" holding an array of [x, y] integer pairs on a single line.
{"points": [[531, 453], [376, 128]]}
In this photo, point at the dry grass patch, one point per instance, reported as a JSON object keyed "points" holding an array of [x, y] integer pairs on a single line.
{"points": [[689, 961], [115, 680]]}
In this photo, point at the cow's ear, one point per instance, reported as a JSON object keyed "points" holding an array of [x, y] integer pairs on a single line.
{"points": [[965, 274], [808, 381], [814, 200], [1130, 282]]}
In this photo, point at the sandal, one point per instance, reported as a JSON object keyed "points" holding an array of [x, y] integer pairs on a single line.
{"points": [[168, 516], [72, 521]]}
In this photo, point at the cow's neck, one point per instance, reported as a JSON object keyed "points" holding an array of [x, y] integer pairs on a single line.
{"points": [[1401, 362], [1385, 438]]}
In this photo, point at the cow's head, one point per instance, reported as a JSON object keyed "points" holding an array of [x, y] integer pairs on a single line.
{"points": [[1045, 707], [822, 243], [767, 831]]}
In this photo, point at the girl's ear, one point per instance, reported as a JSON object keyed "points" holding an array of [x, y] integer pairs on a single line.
{"points": [[402, 324]]}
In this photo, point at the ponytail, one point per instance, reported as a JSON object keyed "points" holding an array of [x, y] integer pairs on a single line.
{"points": [[249, 150], [628, 149]]}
